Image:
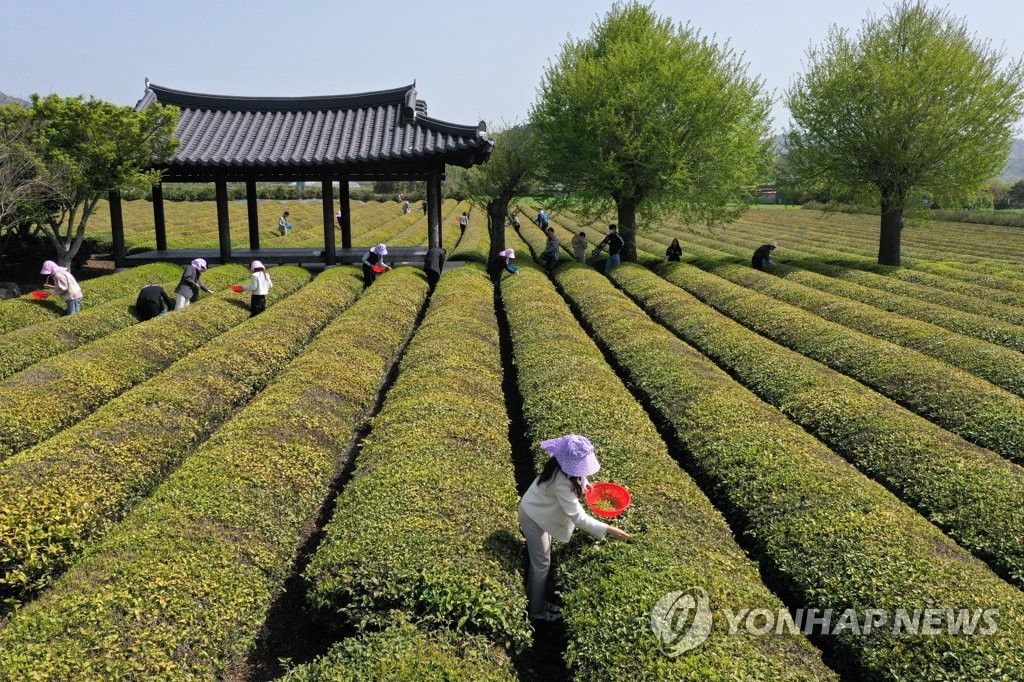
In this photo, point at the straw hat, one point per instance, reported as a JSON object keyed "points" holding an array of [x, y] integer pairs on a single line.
{"points": [[774, 244], [575, 454]]}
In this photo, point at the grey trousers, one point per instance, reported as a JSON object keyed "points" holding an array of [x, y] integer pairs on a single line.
{"points": [[538, 546]]}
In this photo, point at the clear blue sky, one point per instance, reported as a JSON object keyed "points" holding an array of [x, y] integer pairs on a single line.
{"points": [[470, 60]]}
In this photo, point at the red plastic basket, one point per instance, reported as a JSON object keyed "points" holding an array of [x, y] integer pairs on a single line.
{"points": [[40, 295], [378, 268], [608, 500], [237, 288]]}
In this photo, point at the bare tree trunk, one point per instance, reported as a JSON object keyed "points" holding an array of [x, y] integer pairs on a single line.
{"points": [[497, 214], [626, 208], [892, 229]]}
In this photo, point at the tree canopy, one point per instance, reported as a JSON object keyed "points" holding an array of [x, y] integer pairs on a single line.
{"points": [[507, 174], [913, 108], [97, 147], [646, 115]]}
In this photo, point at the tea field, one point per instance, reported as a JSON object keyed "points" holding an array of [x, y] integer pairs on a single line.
{"points": [[328, 491]]}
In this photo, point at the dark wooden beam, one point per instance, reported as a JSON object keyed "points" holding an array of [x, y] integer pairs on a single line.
{"points": [[159, 223], [346, 213], [434, 235], [223, 221], [327, 199], [254, 214], [117, 229]]}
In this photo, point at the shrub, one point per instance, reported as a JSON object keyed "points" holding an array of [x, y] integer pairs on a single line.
{"points": [[61, 390], [427, 524], [971, 493], [404, 652], [827, 537], [21, 312], [28, 345], [679, 539], [181, 586], [61, 494], [954, 399]]}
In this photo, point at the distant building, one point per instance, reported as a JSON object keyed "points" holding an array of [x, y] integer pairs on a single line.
{"points": [[769, 194]]}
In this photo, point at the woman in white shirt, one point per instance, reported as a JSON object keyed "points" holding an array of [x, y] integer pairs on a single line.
{"points": [[259, 286], [551, 508]]}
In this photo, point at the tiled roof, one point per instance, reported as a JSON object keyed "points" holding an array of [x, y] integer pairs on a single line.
{"points": [[371, 132]]}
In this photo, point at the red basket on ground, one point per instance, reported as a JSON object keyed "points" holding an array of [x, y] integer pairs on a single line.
{"points": [[237, 288], [608, 500], [378, 268], [40, 295]]}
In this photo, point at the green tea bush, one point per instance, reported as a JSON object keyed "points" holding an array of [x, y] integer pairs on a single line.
{"points": [[950, 397], [427, 525], [971, 493], [181, 586], [60, 495], [827, 536], [21, 312], [404, 652], [28, 345], [1002, 366], [59, 391], [679, 539]]}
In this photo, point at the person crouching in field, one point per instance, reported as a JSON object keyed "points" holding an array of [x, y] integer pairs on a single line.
{"points": [[152, 302], [551, 508], [501, 261], [763, 255], [63, 283], [259, 286], [373, 264], [189, 286]]}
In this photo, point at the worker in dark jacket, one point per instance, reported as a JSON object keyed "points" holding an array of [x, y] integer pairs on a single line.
{"points": [[762, 256], [433, 264], [189, 286], [501, 261], [674, 251], [373, 264], [615, 242], [152, 301]]}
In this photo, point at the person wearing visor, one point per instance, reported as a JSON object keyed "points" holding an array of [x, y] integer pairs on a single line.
{"points": [[551, 508], [189, 286]]}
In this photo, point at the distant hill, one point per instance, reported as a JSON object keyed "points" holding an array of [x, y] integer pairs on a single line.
{"points": [[1013, 172], [7, 99]]}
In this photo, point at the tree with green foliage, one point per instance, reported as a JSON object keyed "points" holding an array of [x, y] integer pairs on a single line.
{"points": [[646, 115], [913, 108], [1015, 194], [98, 147], [506, 175]]}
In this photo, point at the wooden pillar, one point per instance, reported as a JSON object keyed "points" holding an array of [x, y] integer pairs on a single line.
{"points": [[254, 214], [434, 235], [327, 199], [159, 223], [223, 222], [117, 229], [346, 213]]}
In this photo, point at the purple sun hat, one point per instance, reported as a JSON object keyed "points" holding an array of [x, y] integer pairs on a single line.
{"points": [[199, 264], [380, 250], [575, 454], [507, 253]]}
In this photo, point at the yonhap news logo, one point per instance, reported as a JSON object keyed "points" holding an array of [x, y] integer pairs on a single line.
{"points": [[682, 620]]}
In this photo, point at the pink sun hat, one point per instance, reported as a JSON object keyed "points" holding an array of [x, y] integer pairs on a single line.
{"points": [[575, 454], [51, 268], [507, 253], [256, 265], [380, 250]]}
